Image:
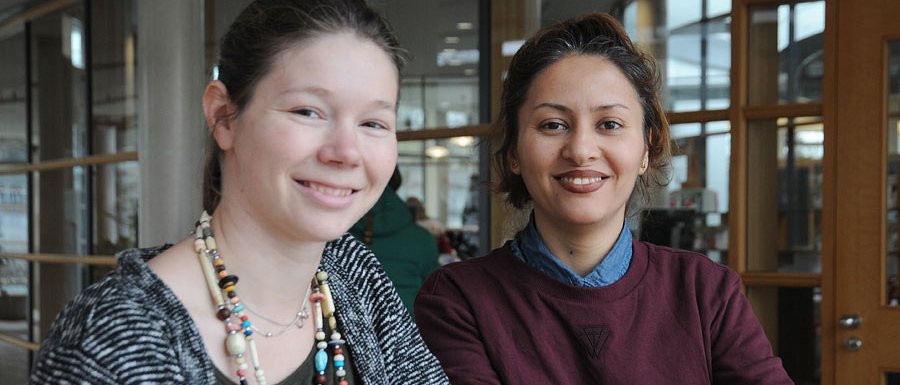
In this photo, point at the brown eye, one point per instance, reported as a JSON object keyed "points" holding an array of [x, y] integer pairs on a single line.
{"points": [[610, 125], [552, 126], [376, 125], [309, 113]]}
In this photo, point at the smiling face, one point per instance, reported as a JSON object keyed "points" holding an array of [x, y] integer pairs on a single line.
{"points": [[580, 145], [316, 145]]}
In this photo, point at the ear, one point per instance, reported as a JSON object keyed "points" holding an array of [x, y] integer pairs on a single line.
{"points": [[219, 110], [513, 160], [645, 160]]}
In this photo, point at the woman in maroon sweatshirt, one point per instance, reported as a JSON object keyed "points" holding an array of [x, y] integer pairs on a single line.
{"points": [[573, 299]]}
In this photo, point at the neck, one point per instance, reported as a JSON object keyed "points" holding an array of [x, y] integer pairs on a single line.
{"points": [[274, 271], [580, 247]]}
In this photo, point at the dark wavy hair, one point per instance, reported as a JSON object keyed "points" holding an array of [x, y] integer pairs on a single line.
{"points": [[265, 29], [593, 34]]}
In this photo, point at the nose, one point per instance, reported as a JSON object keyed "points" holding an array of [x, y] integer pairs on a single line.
{"points": [[340, 146], [582, 146]]}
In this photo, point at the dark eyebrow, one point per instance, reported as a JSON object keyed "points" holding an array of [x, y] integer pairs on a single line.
{"points": [[562, 108]]}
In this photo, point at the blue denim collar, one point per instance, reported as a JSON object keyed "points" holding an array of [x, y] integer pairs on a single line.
{"points": [[531, 249]]}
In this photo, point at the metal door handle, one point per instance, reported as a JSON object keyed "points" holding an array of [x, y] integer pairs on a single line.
{"points": [[853, 344], [850, 321]]}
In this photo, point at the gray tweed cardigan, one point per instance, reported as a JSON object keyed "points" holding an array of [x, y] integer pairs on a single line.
{"points": [[129, 328]]}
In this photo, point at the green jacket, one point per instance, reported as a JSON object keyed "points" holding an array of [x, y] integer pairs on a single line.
{"points": [[408, 252]]}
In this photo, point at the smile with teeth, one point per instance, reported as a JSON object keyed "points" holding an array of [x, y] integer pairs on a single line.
{"points": [[338, 192], [581, 181]]}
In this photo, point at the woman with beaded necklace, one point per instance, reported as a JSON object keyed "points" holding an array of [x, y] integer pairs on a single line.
{"points": [[268, 288]]}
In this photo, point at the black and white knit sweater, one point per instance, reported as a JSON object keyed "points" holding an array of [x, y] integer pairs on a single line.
{"points": [[130, 328]]}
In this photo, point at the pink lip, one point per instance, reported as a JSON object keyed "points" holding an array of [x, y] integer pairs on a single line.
{"points": [[327, 195], [581, 181]]}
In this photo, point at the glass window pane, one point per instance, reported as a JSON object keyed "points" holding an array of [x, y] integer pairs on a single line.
{"points": [[685, 130], [693, 48], [13, 359], [13, 140], [14, 222], [784, 213], [58, 84], [116, 207], [717, 7], [113, 67], [893, 175], [440, 85], [14, 225], [445, 183], [785, 53], [692, 212], [892, 378], [790, 317], [437, 102]]}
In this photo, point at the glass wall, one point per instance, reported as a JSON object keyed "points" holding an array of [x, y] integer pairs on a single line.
{"points": [[786, 47], [68, 175], [892, 205], [114, 127], [787, 208], [692, 211], [14, 202], [442, 89]]}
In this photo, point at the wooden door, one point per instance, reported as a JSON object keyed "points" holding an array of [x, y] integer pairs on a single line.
{"points": [[863, 141]]}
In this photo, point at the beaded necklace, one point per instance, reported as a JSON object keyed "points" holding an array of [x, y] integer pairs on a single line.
{"points": [[239, 336]]}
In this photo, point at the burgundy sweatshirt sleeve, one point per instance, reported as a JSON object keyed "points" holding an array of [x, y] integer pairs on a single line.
{"points": [[451, 332], [741, 352]]}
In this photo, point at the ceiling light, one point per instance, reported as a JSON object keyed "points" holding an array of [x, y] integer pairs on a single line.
{"points": [[464, 26], [462, 141], [437, 152], [451, 39]]}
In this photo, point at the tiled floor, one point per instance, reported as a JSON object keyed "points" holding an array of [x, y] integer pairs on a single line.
{"points": [[13, 359]]}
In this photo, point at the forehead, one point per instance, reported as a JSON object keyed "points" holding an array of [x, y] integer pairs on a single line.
{"points": [[584, 75], [341, 59]]}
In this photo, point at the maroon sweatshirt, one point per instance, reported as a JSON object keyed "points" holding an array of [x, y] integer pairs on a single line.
{"points": [[674, 318]]}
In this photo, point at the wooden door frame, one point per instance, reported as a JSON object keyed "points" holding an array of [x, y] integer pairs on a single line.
{"points": [[827, 313], [849, 280]]}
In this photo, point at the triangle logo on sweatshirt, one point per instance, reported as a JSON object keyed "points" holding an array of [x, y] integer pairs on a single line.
{"points": [[595, 338]]}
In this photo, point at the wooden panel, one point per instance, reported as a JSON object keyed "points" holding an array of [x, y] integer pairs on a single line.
{"points": [[737, 213], [63, 164], [782, 111], [859, 193], [827, 315], [444, 133], [96, 260], [781, 279]]}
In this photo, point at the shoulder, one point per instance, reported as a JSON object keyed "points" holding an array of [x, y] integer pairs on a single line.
{"points": [[498, 266], [676, 267], [353, 267], [670, 257], [127, 319], [117, 301]]}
